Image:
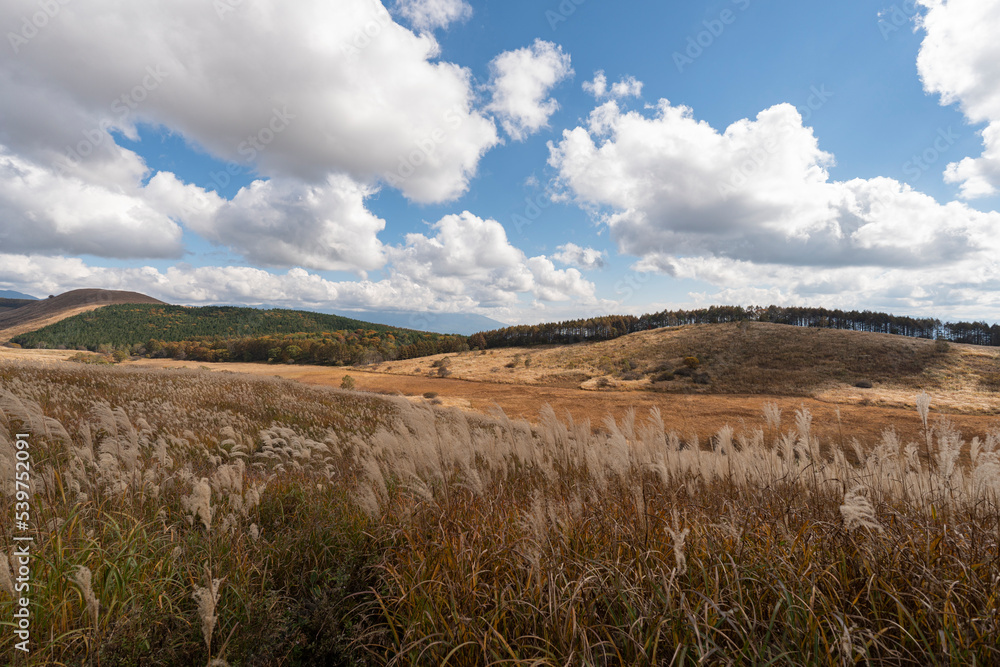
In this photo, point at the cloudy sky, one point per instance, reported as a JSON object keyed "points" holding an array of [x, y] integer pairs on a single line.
{"points": [[526, 160]]}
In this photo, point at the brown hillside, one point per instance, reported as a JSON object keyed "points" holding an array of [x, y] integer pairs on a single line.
{"points": [[746, 358], [7, 305], [38, 314]]}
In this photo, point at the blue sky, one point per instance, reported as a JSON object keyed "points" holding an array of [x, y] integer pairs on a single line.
{"points": [[854, 172]]}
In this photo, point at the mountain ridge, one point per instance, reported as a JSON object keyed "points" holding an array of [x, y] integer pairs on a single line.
{"points": [[44, 312], [12, 294]]}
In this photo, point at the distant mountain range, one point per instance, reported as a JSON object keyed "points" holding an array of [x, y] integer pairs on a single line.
{"points": [[11, 294], [453, 323], [444, 323]]}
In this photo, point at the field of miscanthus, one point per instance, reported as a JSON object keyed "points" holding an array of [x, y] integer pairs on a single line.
{"points": [[186, 517]]}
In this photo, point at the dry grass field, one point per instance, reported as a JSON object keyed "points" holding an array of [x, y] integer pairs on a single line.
{"points": [[746, 367], [218, 515], [745, 358]]}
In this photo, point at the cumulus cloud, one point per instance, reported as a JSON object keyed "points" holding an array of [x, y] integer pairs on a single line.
{"points": [[278, 222], [959, 59], [520, 85], [755, 202], [326, 102], [286, 223], [979, 177], [471, 258], [432, 14], [428, 273], [964, 290], [626, 87], [316, 88], [44, 211], [583, 258]]}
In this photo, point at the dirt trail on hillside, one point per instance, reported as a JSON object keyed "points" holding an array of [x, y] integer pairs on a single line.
{"points": [[700, 414]]}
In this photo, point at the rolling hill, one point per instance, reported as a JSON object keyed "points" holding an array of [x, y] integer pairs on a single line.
{"points": [[230, 333], [738, 358], [8, 304], [40, 313], [464, 324]]}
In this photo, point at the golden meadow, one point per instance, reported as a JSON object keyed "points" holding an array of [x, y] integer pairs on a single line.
{"points": [[185, 517]]}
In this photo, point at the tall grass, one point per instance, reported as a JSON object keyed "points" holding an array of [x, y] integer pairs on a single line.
{"points": [[224, 519]]}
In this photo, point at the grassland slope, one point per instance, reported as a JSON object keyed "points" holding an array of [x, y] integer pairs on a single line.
{"points": [[734, 358], [229, 333], [8, 304], [37, 314]]}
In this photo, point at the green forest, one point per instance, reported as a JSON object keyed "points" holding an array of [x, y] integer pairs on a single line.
{"points": [[227, 333]]}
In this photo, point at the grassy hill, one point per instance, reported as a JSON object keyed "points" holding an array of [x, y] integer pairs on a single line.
{"points": [[739, 358], [137, 323], [8, 304], [229, 333], [30, 315]]}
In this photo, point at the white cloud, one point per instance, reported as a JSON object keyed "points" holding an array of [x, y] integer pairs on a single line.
{"points": [[960, 60], [626, 87], [43, 211], [583, 258], [286, 223], [962, 291], [521, 83], [979, 177], [432, 14], [325, 101], [300, 90], [755, 203], [598, 87], [471, 258], [429, 274], [279, 222]]}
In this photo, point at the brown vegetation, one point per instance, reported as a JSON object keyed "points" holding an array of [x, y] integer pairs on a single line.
{"points": [[742, 358], [183, 516]]}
